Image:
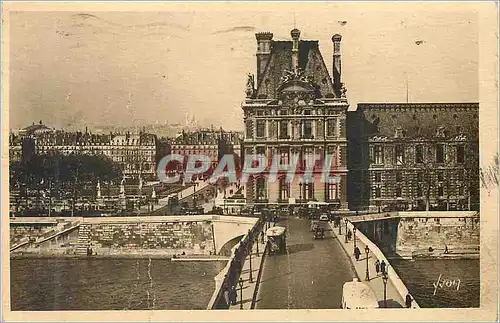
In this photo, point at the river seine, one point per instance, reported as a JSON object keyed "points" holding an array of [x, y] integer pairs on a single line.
{"points": [[111, 284], [441, 283]]}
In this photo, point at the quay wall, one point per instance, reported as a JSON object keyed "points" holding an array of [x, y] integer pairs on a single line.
{"points": [[417, 234], [159, 236], [411, 234]]}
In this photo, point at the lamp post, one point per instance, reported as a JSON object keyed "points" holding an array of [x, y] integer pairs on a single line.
{"points": [[250, 254], [300, 191], [345, 220], [241, 293], [354, 235], [257, 239], [367, 251], [340, 226], [384, 279]]}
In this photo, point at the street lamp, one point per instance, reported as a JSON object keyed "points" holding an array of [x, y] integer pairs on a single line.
{"points": [[241, 293], [300, 191], [345, 220], [340, 226], [384, 279], [250, 254], [354, 235], [367, 251], [257, 239]]}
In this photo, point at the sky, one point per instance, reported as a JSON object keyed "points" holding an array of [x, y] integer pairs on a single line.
{"points": [[78, 68]]}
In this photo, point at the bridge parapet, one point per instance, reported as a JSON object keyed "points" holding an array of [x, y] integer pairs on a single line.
{"points": [[229, 276], [391, 273]]}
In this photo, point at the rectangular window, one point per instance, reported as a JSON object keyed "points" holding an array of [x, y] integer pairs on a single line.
{"points": [[400, 156], [461, 175], [261, 151], [440, 176], [420, 191], [307, 129], [261, 128], [284, 156], [332, 191], [440, 153], [460, 154], [420, 177], [440, 190], [307, 157], [399, 177], [260, 112], [377, 192], [309, 191], [419, 154], [398, 191], [460, 190], [378, 177], [249, 129], [331, 128], [379, 154], [283, 129]]}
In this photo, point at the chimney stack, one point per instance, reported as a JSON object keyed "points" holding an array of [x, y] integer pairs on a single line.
{"points": [[337, 63], [295, 49], [263, 52]]}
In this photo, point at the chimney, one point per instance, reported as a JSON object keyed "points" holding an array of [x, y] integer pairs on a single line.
{"points": [[295, 49], [336, 73], [263, 52]]}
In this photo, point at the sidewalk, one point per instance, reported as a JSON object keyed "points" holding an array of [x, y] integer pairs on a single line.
{"points": [[249, 287], [394, 300]]}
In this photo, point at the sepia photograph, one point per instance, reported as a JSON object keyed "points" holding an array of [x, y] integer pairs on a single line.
{"points": [[249, 158]]}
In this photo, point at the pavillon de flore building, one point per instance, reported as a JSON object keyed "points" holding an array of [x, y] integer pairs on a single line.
{"points": [[414, 156], [294, 106]]}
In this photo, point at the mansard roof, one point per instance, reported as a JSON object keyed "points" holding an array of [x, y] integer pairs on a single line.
{"points": [[310, 62], [426, 121]]}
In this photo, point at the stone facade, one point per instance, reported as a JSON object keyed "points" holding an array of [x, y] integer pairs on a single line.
{"points": [[134, 153], [169, 236], [293, 106], [414, 156]]}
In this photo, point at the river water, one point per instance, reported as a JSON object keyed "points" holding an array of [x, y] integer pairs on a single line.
{"points": [[111, 284], [458, 287], [137, 284]]}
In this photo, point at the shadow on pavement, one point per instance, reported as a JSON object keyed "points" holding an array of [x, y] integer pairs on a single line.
{"points": [[390, 304], [300, 247]]}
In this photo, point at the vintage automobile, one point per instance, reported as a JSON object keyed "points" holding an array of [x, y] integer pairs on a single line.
{"points": [[276, 239], [319, 233]]}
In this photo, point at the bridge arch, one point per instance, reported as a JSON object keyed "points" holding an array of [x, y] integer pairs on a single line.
{"points": [[225, 250]]}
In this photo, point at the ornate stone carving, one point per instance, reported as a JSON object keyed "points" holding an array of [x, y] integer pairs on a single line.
{"points": [[250, 86]]}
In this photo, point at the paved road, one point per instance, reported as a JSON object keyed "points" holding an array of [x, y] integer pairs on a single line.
{"points": [[309, 276]]}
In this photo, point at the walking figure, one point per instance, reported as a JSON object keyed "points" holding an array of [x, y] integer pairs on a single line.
{"points": [[446, 249], [349, 235], [357, 253], [383, 266], [233, 295], [377, 266], [408, 300]]}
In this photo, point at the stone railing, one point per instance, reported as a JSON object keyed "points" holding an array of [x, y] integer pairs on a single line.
{"points": [[391, 273], [229, 276]]}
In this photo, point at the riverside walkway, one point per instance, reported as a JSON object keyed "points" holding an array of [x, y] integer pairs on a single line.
{"points": [[247, 300], [394, 299]]}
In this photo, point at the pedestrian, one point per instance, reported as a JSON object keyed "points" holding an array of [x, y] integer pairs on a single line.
{"points": [[357, 253], [233, 295], [446, 249], [349, 235], [408, 300], [377, 266], [262, 237], [227, 295], [383, 266]]}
